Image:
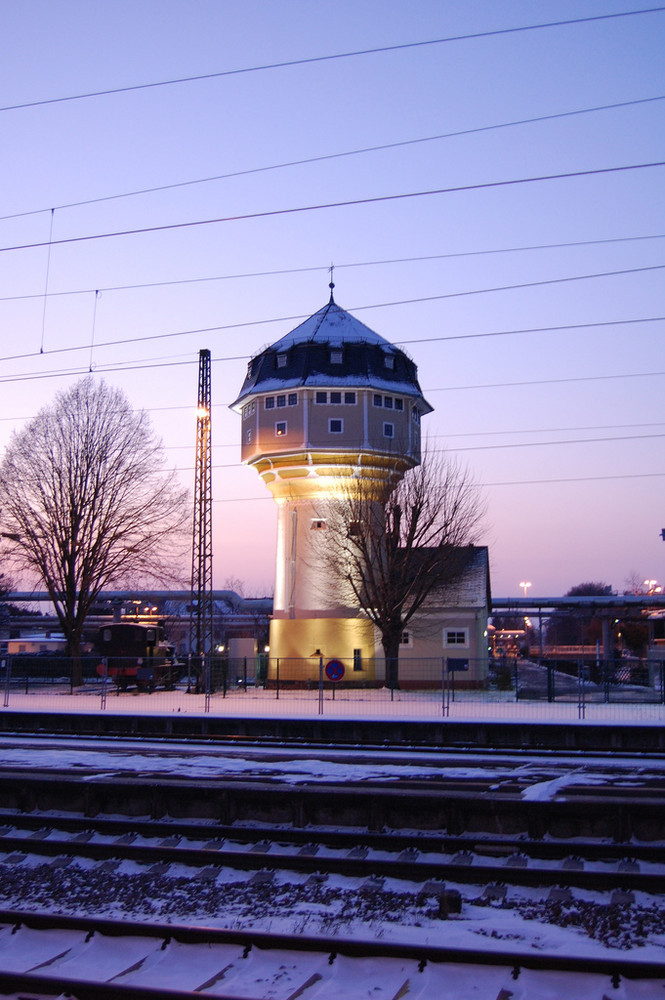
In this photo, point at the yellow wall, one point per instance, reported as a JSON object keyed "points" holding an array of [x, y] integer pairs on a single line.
{"points": [[294, 640]]}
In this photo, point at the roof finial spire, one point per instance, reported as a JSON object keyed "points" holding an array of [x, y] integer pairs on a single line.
{"points": [[332, 283]]}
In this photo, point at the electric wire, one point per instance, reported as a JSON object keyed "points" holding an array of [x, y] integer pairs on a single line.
{"points": [[329, 58], [346, 203], [381, 305], [504, 482], [382, 147], [326, 267]]}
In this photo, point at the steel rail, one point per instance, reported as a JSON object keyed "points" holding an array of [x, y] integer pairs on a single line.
{"points": [[612, 966], [424, 842]]}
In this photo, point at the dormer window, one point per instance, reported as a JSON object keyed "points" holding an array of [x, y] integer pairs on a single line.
{"points": [[336, 356], [389, 360], [281, 360]]}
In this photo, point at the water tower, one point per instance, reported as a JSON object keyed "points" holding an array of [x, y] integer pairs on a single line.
{"points": [[330, 401]]}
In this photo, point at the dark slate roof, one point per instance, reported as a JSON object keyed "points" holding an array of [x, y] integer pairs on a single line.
{"points": [[305, 359]]}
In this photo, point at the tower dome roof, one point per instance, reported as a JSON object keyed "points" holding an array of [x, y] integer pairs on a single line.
{"points": [[332, 348], [334, 326]]}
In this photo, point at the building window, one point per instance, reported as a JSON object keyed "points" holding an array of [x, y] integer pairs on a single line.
{"points": [[335, 426], [389, 430], [280, 428], [321, 397], [355, 529], [357, 659], [269, 403], [415, 414], [378, 399], [406, 640], [281, 360], [399, 403], [248, 409], [389, 360], [248, 436], [456, 637], [281, 400], [336, 357], [388, 402], [350, 398], [293, 399], [318, 524], [336, 397]]}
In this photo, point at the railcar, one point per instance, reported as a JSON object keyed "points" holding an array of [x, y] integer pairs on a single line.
{"points": [[136, 655]]}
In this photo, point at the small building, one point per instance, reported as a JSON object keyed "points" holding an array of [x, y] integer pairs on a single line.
{"points": [[452, 632]]}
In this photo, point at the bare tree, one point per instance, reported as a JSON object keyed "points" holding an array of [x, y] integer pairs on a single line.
{"points": [[84, 504], [392, 547]]}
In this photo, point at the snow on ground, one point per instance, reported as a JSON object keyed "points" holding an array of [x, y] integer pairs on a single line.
{"points": [[356, 704]]}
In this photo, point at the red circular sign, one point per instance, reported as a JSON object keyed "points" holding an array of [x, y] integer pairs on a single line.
{"points": [[334, 670]]}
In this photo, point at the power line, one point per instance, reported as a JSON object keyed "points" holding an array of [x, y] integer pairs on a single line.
{"points": [[382, 147], [328, 58], [349, 203], [326, 267], [512, 482], [382, 305], [487, 447], [547, 381]]}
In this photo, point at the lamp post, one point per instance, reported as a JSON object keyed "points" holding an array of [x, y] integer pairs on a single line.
{"points": [[525, 584]]}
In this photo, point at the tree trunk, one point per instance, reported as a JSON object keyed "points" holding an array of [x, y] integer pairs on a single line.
{"points": [[390, 645]]}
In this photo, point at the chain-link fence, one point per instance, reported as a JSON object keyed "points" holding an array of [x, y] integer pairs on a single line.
{"points": [[425, 688]]}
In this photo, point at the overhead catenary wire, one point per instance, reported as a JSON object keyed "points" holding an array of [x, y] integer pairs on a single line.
{"points": [[280, 272], [364, 150], [383, 305], [346, 203], [376, 50]]}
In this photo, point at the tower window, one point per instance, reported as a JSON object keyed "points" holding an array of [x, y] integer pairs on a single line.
{"points": [[281, 400], [336, 357], [280, 428], [389, 430], [270, 403], [389, 360], [357, 659], [378, 399], [335, 426], [318, 524], [293, 399], [335, 397], [281, 360], [399, 403], [415, 413], [248, 436], [388, 402], [350, 398], [321, 397]]}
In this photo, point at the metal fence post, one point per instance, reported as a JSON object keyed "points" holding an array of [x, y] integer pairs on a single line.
{"points": [[206, 667], [277, 680], [320, 685], [8, 667], [104, 683], [581, 704], [445, 690]]}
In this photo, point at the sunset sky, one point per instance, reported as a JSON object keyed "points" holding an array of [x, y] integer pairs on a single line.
{"points": [[531, 302]]}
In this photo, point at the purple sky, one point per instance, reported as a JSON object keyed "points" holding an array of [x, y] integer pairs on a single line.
{"points": [[564, 427]]}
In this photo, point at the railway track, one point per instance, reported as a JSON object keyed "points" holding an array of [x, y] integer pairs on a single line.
{"points": [[417, 858], [139, 961], [385, 869]]}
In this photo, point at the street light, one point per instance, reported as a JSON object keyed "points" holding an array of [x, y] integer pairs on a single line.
{"points": [[525, 584]]}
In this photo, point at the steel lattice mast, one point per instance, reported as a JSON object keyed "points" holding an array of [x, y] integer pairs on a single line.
{"points": [[201, 617]]}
